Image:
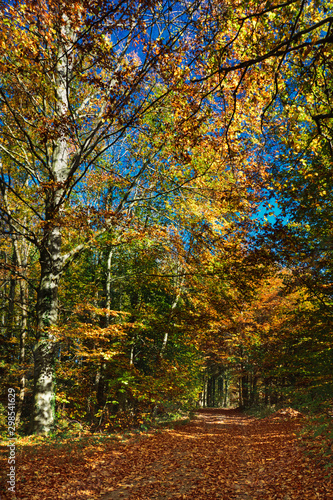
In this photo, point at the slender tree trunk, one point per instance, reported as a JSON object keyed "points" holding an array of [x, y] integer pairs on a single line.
{"points": [[23, 336], [245, 390], [100, 382], [226, 400], [166, 334], [240, 389], [173, 307], [205, 392], [108, 286], [20, 259], [11, 302], [132, 355], [100, 385]]}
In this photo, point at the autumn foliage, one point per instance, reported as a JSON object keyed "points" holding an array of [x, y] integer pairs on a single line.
{"points": [[166, 216]]}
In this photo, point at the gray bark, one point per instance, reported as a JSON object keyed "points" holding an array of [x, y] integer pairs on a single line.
{"points": [[171, 313], [22, 259], [108, 286], [51, 260], [23, 337]]}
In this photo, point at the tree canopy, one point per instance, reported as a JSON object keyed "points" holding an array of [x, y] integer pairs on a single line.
{"points": [[165, 206]]}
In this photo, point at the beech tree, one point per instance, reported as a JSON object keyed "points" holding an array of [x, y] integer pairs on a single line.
{"points": [[74, 78]]}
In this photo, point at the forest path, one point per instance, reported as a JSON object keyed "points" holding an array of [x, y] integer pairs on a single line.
{"points": [[222, 454]]}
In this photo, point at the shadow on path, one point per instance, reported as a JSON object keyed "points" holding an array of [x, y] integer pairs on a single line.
{"points": [[220, 454]]}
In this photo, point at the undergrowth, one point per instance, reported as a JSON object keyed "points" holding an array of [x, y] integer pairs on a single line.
{"points": [[74, 437], [316, 438], [260, 411], [316, 434]]}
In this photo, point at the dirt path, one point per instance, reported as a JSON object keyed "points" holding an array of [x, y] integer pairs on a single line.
{"points": [[221, 454]]}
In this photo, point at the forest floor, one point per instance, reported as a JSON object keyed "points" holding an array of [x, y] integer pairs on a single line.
{"points": [[221, 454]]}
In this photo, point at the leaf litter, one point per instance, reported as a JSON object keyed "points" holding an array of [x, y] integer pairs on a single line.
{"points": [[220, 454]]}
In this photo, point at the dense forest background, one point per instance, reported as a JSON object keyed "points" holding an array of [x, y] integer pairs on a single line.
{"points": [[166, 208]]}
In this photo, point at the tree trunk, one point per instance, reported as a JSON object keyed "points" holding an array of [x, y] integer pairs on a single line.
{"points": [[210, 392], [226, 400], [108, 286], [100, 385], [23, 336], [203, 400], [245, 391], [254, 392], [170, 318], [44, 397], [11, 301], [44, 350], [166, 334], [240, 392], [51, 261], [20, 259]]}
